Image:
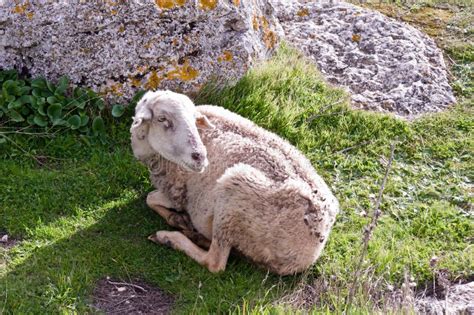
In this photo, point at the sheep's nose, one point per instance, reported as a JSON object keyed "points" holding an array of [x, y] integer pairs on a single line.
{"points": [[196, 156]]}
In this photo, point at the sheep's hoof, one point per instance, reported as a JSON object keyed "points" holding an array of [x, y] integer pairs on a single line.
{"points": [[161, 238]]}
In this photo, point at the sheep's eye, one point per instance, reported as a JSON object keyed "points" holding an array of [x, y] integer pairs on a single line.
{"points": [[161, 119]]}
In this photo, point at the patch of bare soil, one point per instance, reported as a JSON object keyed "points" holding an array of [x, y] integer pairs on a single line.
{"points": [[6, 241], [137, 297]]}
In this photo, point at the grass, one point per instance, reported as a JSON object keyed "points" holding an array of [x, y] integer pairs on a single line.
{"points": [[81, 215]]}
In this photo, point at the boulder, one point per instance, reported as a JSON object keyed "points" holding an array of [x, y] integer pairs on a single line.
{"points": [[386, 65], [117, 47]]}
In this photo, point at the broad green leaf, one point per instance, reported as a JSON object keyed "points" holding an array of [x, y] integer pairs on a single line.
{"points": [[52, 100], [40, 100], [74, 121], [36, 92], [30, 119], [100, 103], [15, 116], [63, 83], [25, 110], [81, 104], [59, 122], [50, 86], [118, 110], [39, 83], [15, 104], [26, 99], [41, 109], [25, 90], [40, 121], [54, 112], [98, 125], [84, 120]]}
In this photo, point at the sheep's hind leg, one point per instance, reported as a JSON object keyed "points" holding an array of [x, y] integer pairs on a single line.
{"points": [[160, 204], [215, 259]]}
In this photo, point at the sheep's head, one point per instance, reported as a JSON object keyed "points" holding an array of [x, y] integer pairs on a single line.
{"points": [[167, 123]]}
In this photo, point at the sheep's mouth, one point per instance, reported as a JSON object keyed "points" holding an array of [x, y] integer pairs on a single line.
{"points": [[193, 168]]}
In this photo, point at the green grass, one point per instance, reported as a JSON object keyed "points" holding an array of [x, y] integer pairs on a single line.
{"points": [[82, 215]]}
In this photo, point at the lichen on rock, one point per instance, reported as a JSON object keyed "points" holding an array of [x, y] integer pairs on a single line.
{"points": [[119, 47]]}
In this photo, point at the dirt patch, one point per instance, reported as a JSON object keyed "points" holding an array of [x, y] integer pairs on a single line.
{"points": [[136, 297], [6, 241]]}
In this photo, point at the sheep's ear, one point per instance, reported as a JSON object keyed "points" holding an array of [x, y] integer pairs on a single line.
{"points": [[142, 114], [202, 122], [143, 111]]}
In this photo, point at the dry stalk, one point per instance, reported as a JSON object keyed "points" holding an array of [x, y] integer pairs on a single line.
{"points": [[369, 229], [127, 284]]}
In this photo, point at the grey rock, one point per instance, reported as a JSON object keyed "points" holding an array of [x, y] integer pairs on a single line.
{"points": [[386, 65], [458, 300], [117, 47]]}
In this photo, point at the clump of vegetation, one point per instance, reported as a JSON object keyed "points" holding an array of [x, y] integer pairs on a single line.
{"points": [[43, 106]]}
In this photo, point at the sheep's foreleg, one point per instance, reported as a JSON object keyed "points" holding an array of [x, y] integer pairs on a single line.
{"points": [[215, 259], [160, 204]]}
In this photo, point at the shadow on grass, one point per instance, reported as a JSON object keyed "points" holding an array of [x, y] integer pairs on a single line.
{"points": [[61, 276]]}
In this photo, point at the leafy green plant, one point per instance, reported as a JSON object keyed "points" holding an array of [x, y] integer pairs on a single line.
{"points": [[41, 104]]}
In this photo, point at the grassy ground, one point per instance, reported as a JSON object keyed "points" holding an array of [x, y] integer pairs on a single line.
{"points": [[80, 213]]}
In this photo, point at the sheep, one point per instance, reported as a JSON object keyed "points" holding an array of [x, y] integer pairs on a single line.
{"points": [[241, 187]]}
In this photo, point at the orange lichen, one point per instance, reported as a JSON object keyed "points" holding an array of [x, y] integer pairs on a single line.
{"points": [[141, 69], [184, 72], [148, 45], [207, 4], [356, 38], [269, 37], [20, 8], [236, 2], [303, 12], [153, 81], [255, 22], [226, 56], [174, 41], [115, 88], [121, 29], [113, 12], [30, 15], [135, 82], [169, 4]]}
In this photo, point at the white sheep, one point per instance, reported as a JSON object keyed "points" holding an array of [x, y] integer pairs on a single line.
{"points": [[242, 186]]}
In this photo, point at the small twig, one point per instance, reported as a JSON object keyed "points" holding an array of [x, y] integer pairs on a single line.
{"points": [[354, 146], [127, 284], [369, 229], [312, 118], [124, 300], [321, 111]]}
